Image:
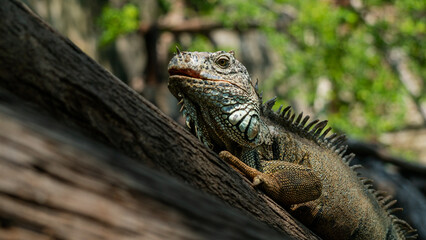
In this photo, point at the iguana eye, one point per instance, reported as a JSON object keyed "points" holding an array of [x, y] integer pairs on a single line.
{"points": [[223, 61]]}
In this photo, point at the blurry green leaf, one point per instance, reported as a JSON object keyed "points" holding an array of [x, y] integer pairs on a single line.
{"points": [[164, 5], [115, 22]]}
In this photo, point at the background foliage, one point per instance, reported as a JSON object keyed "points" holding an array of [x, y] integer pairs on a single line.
{"points": [[117, 21], [344, 47]]}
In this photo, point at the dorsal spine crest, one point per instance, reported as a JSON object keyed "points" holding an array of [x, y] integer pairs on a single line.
{"points": [[335, 142]]}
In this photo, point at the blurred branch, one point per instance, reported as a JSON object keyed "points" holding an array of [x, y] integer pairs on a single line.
{"points": [[362, 149], [398, 61], [193, 25], [78, 189]]}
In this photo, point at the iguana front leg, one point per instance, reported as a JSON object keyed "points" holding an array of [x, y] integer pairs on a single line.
{"points": [[286, 183]]}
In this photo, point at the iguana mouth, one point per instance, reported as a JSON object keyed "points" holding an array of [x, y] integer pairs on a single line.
{"points": [[187, 73], [184, 73]]}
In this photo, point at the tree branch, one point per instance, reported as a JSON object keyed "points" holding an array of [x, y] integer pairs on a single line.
{"points": [[60, 185]]}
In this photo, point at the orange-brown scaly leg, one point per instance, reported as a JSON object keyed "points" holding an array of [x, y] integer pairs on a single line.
{"points": [[238, 165], [286, 183]]}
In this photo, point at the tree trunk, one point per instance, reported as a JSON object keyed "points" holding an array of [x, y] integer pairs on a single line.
{"points": [[46, 69], [62, 185]]}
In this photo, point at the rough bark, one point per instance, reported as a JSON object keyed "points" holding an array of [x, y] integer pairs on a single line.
{"points": [[61, 185], [38, 65]]}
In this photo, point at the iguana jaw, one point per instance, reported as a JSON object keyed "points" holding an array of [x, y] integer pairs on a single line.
{"points": [[190, 76]]}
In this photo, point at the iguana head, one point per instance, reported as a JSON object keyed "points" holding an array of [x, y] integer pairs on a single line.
{"points": [[218, 96]]}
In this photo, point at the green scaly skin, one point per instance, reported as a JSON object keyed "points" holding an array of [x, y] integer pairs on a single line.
{"points": [[293, 160]]}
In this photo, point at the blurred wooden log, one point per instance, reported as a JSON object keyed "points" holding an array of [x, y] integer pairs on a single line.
{"points": [[49, 71], [58, 185], [365, 149]]}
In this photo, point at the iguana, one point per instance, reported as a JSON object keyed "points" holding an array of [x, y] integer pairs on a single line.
{"points": [[296, 162]]}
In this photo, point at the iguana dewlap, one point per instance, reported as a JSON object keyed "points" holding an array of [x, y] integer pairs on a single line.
{"points": [[294, 161]]}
